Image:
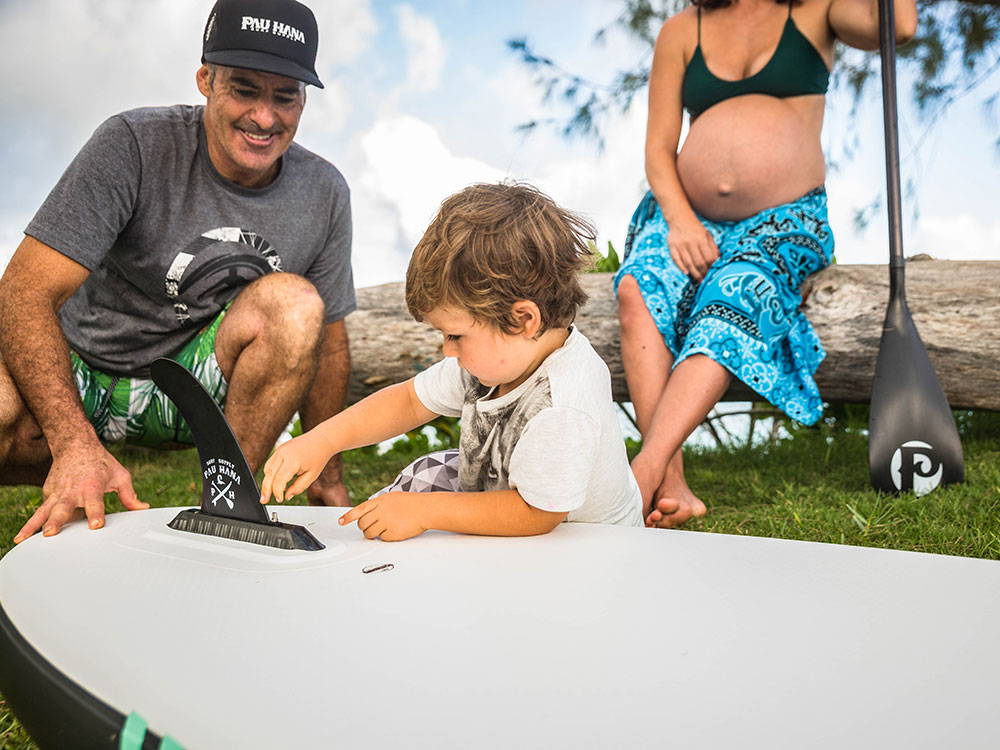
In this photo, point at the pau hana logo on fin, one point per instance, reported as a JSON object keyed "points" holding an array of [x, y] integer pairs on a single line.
{"points": [[221, 475], [915, 466]]}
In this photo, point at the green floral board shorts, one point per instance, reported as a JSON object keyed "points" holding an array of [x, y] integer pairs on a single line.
{"points": [[134, 410]]}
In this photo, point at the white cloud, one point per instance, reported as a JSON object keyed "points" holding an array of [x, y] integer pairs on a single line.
{"points": [[409, 165], [846, 192], [324, 117], [346, 31], [425, 51], [960, 236], [406, 172], [605, 186], [957, 237], [68, 66]]}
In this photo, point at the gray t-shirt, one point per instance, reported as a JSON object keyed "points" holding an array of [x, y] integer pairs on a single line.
{"points": [[169, 241]]}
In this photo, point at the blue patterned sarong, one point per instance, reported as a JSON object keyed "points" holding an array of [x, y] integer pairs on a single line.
{"points": [[745, 313]]}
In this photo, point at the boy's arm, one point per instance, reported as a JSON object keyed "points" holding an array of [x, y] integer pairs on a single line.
{"points": [[400, 515], [380, 416]]}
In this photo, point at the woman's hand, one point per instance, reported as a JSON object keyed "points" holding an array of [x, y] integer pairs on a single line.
{"points": [[391, 517], [301, 459], [692, 248]]}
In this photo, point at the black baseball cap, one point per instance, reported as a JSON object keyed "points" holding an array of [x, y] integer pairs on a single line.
{"points": [[273, 36]]}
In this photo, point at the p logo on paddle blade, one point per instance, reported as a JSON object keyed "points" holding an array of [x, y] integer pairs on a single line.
{"points": [[916, 466]]}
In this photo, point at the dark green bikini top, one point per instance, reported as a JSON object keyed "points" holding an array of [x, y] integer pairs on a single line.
{"points": [[794, 69]]}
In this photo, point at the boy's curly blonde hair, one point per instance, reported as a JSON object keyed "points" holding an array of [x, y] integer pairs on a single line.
{"points": [[492, 245]]}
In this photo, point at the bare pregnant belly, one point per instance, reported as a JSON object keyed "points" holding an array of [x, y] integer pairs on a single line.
{"points": [[750, 153]]}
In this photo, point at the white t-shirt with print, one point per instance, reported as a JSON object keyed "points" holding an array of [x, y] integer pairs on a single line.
{"points": [[555, 438]]}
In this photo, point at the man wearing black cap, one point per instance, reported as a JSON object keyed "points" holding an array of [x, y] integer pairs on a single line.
{"points": [[199, 233]]}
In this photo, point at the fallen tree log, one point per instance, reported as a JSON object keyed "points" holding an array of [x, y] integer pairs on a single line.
{"points": [[955, 304]]}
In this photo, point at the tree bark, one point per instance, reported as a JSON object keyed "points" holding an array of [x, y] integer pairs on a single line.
{"points": [[955, 305]]}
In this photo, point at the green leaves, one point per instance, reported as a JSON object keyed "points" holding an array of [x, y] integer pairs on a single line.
{"points": [[608, 263]]}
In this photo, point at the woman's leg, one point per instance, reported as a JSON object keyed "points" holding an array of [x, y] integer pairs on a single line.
{"points": [[646, 359], [654, 301], [647, 362], [692, 390]]}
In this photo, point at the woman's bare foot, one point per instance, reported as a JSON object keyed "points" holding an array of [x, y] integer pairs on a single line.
{"points": [[649, 475], [675, 503]]}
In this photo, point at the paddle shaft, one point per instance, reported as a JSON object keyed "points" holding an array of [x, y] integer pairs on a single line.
{"points": [[887, 50]]}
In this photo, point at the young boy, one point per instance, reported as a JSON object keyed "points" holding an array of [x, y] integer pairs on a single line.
{"points": [[496, 273]]}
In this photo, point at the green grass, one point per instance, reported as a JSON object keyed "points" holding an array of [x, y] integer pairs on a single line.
{"points": [[12, 734], [813, 487]]}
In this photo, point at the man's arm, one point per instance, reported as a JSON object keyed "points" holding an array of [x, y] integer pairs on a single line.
{"points": [[35, 285], [327, 397]]}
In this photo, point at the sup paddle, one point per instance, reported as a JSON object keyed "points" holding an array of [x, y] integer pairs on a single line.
{"points": [[912, 440]]}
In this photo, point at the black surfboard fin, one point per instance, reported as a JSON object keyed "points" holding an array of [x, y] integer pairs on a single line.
{"points": [[230, 497]]}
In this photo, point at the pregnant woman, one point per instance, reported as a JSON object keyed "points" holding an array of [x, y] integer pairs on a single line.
{"points": [[733, 224]]}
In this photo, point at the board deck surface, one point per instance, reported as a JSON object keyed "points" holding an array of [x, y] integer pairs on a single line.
{"points": [[591, 636]]}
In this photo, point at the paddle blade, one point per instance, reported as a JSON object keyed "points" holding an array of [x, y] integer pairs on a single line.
{"points": [[913, 443]]}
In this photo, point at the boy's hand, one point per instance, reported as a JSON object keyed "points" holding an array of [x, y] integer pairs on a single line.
{"points": [[391, 517], [301, 459]]}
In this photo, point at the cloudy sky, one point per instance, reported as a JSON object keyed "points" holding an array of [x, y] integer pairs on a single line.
{"points": [[423, 98]]}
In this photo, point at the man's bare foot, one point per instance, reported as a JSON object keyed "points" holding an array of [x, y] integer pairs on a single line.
{"points": [[649, 476], [675, 504]]}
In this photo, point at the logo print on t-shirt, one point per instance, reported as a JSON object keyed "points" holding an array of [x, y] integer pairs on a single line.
{"points": [[210, 271], [490, 435]]}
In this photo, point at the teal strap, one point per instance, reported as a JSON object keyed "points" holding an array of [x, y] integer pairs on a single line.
{"points": [[169, 743], [133, 732]]}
